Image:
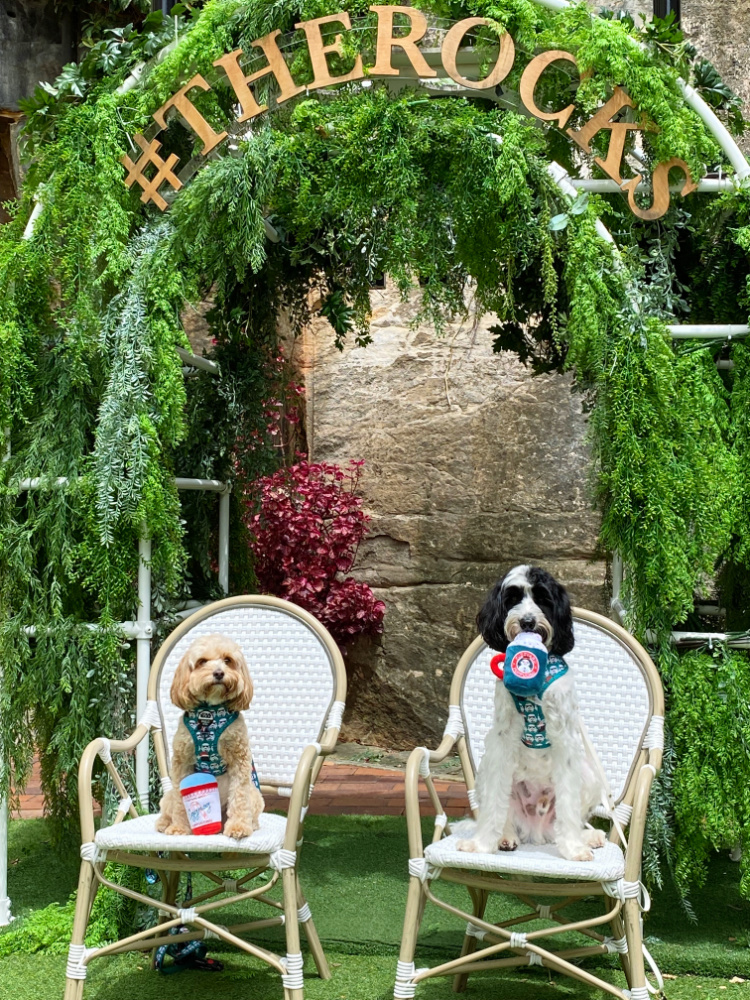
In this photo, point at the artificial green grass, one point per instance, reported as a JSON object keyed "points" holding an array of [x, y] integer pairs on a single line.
{"points": [[356, 977], [353, 870]]}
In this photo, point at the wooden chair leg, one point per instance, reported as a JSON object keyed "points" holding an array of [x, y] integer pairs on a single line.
{"points": [[293, 983], [313, 941], [415, 901], [87, 888], [618, 933], [479, 900], [170, 883], [637, 977]]}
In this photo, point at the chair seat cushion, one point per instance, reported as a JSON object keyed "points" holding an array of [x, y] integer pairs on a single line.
{"points": [[141, 835], [528, 859]]}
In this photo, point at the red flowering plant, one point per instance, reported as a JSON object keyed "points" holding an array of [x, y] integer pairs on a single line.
{"points": [[306, 523]]}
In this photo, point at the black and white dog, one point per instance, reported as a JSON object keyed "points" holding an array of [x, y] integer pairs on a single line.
{"points": [[526, 794]]}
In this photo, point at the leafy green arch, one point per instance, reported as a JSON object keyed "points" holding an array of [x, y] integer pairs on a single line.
{"points": [[440, 194]]}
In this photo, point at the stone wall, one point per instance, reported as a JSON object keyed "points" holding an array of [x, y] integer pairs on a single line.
{"points": [[720, 30], [473, 465], [35, 43]]}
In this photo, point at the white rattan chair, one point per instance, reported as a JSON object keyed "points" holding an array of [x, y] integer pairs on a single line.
{"points": [[300, 685], [622, 705]]}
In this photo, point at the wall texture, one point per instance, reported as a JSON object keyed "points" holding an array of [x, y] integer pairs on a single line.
{"points": [[473, 465], [35, 43]]}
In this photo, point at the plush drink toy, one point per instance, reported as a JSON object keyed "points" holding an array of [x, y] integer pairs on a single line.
{"points": [[525, 667], [202, 803]]}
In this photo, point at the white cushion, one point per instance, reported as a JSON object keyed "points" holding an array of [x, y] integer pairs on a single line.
{"points": [[140, 835], [528, 859]]}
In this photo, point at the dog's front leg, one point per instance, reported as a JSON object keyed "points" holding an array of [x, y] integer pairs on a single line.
{"points": [[495, 780], [172, 815], [244, 801], [561, 712]]}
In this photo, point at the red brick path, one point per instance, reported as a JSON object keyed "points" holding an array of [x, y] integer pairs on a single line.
{"points": [[340, 789]]}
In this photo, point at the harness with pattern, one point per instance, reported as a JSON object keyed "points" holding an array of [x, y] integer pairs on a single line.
{"points": [[206, 723]]}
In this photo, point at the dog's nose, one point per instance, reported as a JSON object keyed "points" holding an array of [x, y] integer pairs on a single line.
{"points": [[527, 623], [218, 675]]}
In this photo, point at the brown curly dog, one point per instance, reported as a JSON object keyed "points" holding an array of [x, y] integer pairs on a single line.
{"points": [[213, 673]]}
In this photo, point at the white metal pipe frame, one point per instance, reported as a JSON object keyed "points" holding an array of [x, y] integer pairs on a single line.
{"points": [[142, 628]]}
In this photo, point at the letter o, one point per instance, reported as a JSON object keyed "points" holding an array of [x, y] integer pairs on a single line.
{"points": [[453, 39]]}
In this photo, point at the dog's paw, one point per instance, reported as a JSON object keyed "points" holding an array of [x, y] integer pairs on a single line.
{"points": [[476, 846], [584, 854], [595, 838], [177, 830], [162, 822], [239, 828], [576, 852], [508, 843]]}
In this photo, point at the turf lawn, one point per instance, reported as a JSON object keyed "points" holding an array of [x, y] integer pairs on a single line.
{"points": [[353, 870]]}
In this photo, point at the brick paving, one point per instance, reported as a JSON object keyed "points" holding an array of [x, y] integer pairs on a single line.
{"points": [[341, 789]]}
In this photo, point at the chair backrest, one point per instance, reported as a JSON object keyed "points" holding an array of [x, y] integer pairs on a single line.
{"points": [[297, 670], [618, 687]]}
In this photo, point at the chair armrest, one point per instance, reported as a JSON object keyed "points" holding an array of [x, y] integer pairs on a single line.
{"points": [[104, 748], [637, 829], [300, 794], [418, 766]]}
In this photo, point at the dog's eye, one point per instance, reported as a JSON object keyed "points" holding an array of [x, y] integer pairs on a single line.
{"points": [[228, 660], [513, 596], [542, 597], [201, 662]]}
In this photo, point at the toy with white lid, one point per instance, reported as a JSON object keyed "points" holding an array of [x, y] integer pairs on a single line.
{"points": [[524, 671], [200, 793]]}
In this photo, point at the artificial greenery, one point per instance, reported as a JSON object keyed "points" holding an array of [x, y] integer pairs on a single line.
{"points": [[49, 928], [445, 195]]}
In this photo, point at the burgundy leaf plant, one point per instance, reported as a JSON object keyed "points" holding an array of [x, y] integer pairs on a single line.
{"points": [[306, 524]]}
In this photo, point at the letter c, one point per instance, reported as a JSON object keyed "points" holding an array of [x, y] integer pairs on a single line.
{"points": [[530, 79]]}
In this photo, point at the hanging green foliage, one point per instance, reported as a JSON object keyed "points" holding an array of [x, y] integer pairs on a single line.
{"points": [[711, 727], [451, 196]]}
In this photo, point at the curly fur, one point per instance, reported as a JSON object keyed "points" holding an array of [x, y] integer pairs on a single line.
{"points": [[527, 795], [214, 671]]}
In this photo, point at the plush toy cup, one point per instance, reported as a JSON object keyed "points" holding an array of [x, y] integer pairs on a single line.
{"points": [[200, 793], [525, 665]]}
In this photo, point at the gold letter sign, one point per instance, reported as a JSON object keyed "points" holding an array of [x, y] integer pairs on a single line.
{"points": [[276, 65], [161, 171]]}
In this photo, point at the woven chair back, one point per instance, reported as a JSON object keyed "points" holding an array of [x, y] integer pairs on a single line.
{"points": [[297, 673], [617, 685]]}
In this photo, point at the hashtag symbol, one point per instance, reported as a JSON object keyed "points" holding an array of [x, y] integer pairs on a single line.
{"points": [[163, 171]]}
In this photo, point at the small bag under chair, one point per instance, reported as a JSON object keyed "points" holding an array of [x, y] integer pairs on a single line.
{"points": [[621, 703], [299, 682]]}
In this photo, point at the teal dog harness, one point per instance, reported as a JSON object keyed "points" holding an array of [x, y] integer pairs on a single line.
{"points": [[205, 724], [534, 724], [529, 706]]}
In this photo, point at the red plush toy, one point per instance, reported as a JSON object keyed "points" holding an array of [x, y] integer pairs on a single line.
{"points": [[496, 665]]}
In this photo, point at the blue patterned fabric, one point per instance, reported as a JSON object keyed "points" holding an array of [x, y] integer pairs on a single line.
{"points": [[205, 724], [534, 723]]}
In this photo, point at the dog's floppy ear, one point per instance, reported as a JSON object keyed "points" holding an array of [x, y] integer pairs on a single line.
{"points": [[491, 620], [242, 699], [562, 619], [179, 692]]}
